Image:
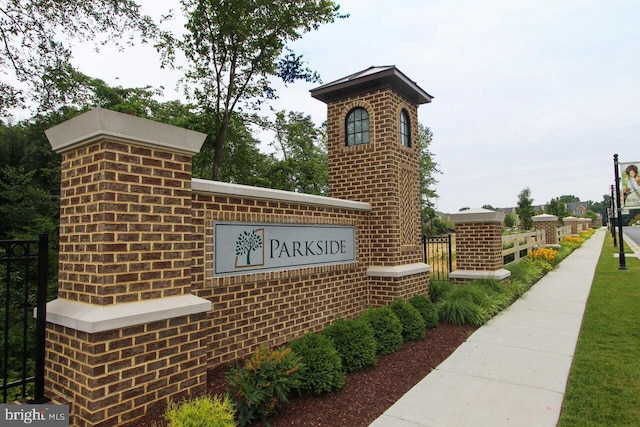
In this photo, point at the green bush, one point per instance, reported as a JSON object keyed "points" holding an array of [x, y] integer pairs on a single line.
{"points": [[427, 310], [462, 311], [321, 369], [413, 326], [438, 290], [354, 340], [202, 411], [525, 272], [543, 265], [387, 329], [265, 381]]}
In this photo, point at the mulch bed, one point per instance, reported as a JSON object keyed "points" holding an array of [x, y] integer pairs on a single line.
{"points": [[366, 394]]}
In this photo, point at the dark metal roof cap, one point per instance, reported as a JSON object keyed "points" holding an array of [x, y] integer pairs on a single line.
{"points": [[376, 77]]}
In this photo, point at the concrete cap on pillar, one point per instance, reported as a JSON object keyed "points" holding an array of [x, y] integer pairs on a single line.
{"points": [[100, 123], [477, 215], [545, 218], [570, 219]]}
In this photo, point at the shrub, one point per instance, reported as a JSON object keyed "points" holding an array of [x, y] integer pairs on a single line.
{"points": [[353, 338], [265, 381], [427, 310], [496, 291], [439, 290], [202, 411], [413, 326], [525, 272], [462, 311], [321, 369], [572, 242], [543, 265], [387, 329]]}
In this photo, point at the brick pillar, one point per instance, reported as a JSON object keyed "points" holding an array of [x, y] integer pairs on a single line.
{"points": [[572, 222], [549, 226], [383, 172], [478, 246], [125, 331], [584, 224]]}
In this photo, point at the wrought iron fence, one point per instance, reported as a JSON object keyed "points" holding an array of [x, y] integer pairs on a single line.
{"points": [[24, 274], [438, 253]]}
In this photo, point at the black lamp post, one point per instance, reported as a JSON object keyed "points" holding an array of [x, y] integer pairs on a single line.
{"points": [[623, 261]]}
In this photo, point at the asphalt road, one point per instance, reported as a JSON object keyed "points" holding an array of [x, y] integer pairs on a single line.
{"points": [[632, 233]]}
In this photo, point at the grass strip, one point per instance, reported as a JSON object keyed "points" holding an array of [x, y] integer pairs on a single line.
{"points": [[604, 382]]}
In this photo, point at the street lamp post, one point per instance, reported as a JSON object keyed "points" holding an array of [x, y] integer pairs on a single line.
{"points": [[623, 261]]}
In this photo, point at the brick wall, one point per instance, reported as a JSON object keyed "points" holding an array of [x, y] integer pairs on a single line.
{"points": [[114, 377], [272, 308]]}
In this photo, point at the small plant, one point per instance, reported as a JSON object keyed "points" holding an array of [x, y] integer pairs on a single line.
{"points": [[427, 310], [353, 338], [543, 265], [264, 382], [546, 254], [462, 311], [203, 411], [321, 370], [439, 290], [387, 329], [572, 242], [413, 326]]}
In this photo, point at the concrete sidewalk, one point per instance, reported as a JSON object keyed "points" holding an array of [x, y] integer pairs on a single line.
{"points": [[513, 370]]}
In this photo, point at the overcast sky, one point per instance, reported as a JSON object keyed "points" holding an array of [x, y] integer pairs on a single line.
{"points": [[536, 94]]}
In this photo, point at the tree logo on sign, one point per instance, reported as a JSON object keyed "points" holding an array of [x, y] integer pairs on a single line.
{"points": [[247, 243]]}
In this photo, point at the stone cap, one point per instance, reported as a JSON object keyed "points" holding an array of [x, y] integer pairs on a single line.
{"points": [[100, 123], [570, 219], [477, 215], [545, 218]]}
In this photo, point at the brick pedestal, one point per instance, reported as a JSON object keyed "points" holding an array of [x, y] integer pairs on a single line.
{"points": [[549, 226], [125, 332], [572, 222], [478, 246]]}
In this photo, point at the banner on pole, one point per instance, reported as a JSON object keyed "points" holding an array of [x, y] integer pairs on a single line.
{"points": [[630, 185]]}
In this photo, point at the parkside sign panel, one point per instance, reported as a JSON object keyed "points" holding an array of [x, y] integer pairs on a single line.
{"points": [[242, 248]]}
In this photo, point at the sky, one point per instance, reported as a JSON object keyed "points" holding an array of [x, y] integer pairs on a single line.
{"points": [[527, 94]]}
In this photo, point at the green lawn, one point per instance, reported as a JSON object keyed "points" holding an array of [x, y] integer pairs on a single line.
{"points": [[604, 383]]}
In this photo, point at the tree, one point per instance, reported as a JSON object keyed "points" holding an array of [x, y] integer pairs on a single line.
{"points": [[303, 167], [35, 53], [510, 220], [569, 198], [557, 207], [525, 209], [489, 207], [233, 47], [428, 170]]}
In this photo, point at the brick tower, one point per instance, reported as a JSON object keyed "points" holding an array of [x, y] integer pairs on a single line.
{"points": [[372, 122]]}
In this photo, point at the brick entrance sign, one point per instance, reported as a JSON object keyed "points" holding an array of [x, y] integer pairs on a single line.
{"points": [[163, 276]]}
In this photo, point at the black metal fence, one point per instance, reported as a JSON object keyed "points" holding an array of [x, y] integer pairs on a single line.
{"points": [[23, 276], [438, 254]]}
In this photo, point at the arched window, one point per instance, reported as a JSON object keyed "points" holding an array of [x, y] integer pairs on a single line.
{"points": [[405, 129], [357, 127]]}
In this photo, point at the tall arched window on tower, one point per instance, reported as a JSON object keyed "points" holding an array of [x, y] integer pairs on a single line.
{"points": [[405, 129], [357, 127]]}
